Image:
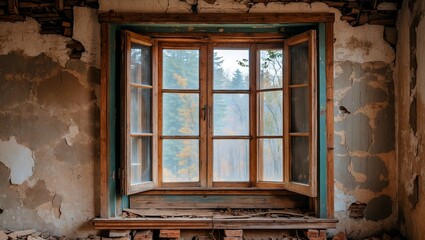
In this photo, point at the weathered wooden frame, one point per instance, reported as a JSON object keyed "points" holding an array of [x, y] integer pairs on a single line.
{"points": [[110, 201]]}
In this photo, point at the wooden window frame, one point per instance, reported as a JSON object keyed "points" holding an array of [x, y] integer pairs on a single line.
{"points": [[109, 21]]}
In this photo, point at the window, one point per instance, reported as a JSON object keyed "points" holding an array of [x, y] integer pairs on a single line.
{"points": [[216, 113]]}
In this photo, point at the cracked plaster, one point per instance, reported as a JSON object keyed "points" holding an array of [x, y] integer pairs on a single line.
{"points": [[359, 58], [18, 159]]}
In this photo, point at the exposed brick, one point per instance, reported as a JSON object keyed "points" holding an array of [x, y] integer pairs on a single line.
{"points": [[312, 233], [233, 233], [340, 236], [143, 235], [165, 233]]}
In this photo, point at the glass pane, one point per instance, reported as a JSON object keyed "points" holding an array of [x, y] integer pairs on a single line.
{"points": [[299, 110], [141, 160], [180, 69], [299, 160], [270, 152], [231, 160], [299, 63], [231, 114], [180, 114], [180, 160], [270, 113], [140, 62], [140, 112], [231, 69], [271, 74]]}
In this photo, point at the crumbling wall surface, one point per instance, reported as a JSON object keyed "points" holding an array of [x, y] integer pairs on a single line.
{"points": [[49, 115], [410, 85], [365, 163], [49, 131]]}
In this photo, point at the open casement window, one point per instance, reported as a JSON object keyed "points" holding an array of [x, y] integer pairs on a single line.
{"points": [[138, 114], [230, 114], [301, 107]]}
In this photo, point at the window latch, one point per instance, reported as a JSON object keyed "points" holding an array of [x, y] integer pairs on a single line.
{"points": [[205, 111]]}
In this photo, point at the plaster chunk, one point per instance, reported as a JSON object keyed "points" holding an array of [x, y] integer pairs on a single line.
{"points": [[87, 32], [25, 36], [73, 132], [18, 159], [222, 6], [342, 200]]}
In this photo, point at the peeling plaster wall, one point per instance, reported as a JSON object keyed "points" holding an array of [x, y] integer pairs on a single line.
{"points": [[410, 85], [49, 129], [53, 111]]}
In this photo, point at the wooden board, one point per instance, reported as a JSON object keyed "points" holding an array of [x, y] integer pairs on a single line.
{"points": [[215, 201], [218, 18], [208, 223]]}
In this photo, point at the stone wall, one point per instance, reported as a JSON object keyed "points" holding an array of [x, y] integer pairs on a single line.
{"points": [[49, 115], [410, 85]]}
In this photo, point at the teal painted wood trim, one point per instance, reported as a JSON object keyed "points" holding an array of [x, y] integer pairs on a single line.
{"points": [[322, 122], [118, 201], [112, 123]]}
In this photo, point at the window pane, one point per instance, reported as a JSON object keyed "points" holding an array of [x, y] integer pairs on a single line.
{"points": [[180, 69], [231, 114], [231, 69], [140, 62], [299, 159], [299, 63], [141, 156], [180, 161], [231, 160], [140, 112], [299, 110], [270, 153], [270, 113], [271, 74], [180, 114]]}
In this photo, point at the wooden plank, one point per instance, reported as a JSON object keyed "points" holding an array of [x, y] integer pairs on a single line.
{"points": [[330, 119], [210, 132], [204, 116], [253, 161], [208, 223], [104, 125], [218, 18], [248, 191], [155, 212], [221, 201], [13, 7]]}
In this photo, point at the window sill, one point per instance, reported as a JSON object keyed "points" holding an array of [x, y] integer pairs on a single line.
{"points": [[280, 223]]}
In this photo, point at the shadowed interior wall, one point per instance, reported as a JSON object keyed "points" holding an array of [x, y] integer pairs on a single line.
{"points": [[410, 85], [49, 116]]}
